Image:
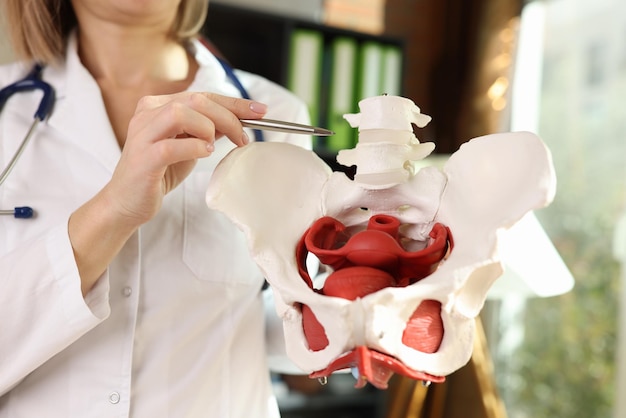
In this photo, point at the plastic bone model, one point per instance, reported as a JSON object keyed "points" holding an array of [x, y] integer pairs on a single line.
{"points": [[411, 253]]}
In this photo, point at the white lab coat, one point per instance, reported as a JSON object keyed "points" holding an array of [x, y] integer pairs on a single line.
{"points": [[174, 328]]}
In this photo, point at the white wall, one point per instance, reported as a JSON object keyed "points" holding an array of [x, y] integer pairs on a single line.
{"points": [[311, 10]]}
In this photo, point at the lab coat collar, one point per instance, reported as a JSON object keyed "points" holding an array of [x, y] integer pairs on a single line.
{"points": [[79, 112]]}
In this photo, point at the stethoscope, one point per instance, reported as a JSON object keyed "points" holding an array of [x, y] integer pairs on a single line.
{"points": [[33, 81]]}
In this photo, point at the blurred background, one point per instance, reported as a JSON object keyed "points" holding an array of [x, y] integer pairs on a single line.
{"points": [[553, 67]]}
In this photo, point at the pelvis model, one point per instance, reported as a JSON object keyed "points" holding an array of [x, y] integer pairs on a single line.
{"points": [[409, 253]]}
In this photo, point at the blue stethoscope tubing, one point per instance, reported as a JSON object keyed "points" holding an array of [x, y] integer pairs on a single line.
{"points": [[34, 81]]}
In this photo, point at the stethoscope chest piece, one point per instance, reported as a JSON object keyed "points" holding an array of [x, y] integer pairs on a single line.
{"points": [[21, 212]]}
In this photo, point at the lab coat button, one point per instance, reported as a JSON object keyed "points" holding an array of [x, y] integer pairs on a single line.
{"points": [[114, 397], [127, 291]]}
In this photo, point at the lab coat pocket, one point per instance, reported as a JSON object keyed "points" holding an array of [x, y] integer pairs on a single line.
{"points": [[214, 248]]}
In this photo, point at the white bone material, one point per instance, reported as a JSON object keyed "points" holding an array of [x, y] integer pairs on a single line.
{"points": [[387, 112], [385, 129], [275, 191]]}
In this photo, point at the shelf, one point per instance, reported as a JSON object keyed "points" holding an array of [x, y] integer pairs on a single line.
{"points": [[329, 68], [258, 41]]}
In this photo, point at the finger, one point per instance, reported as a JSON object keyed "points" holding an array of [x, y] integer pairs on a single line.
{"points": [[176, 150], [242, 108], [224, 111], [171, 120], [226, 122]]}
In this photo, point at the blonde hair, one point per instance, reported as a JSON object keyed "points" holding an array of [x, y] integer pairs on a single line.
{"points": [[38, 29]]}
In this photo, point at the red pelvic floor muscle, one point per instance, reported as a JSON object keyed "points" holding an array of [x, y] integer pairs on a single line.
{"points": [[369, 261]]}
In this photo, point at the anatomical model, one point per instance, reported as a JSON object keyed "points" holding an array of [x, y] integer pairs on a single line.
{"points": [[409, 253]]}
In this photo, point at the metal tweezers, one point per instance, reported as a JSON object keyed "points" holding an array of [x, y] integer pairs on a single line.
{"points": [[282, 126]]}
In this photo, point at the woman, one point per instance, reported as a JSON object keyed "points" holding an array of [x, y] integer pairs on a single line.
{"points": [[125, 295]]}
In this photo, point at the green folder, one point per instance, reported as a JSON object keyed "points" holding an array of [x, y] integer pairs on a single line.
{"points": [[305, 68], [342, 93]]}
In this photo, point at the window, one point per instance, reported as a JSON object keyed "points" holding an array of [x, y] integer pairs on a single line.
{"points": [[559, 356], [596, 63]]}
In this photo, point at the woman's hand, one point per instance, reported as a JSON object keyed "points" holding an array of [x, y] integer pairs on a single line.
{"points": [[166, 136]]}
